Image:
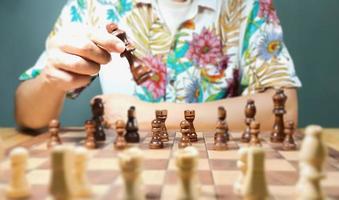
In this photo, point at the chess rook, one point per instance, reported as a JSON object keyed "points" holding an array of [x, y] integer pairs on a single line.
{"points": [[98, 113], [132, 135], [289, 143], [190, 116], [90, 142], [130, 163], [250, 111], [279, 101], [120, 142], [186, 162], [53, 131], [156, 142], [162, 116], [18, 185], [185, 131]]}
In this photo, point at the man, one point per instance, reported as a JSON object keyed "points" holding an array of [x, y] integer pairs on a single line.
{"points": [[200, 51]]}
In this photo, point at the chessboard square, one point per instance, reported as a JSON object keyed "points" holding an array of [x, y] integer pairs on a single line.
{"points": [[282, 192], [39, 177], [222, 164], [155, 164], [202, 164], [103, 164], [149, 177], [33, 163], [73, 134], [332, 179], [225, 177], [228, 154], [102, 176], [281, 178], [171, 192], [157, 154], [278, 165], [100, 190], [290, 155]]}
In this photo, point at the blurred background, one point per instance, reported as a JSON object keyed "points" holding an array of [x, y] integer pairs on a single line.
{"points": [[311, 31]]}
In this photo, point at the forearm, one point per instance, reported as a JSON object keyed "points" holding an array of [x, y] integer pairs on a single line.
{"points": [[37, 102], [206, 113]]}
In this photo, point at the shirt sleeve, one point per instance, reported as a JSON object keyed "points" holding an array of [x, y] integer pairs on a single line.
{"points": [[264, 58]]}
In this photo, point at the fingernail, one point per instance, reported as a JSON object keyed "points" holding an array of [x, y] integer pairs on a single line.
{"points": [[121, 46]]}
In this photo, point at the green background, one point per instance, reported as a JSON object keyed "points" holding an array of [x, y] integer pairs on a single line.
{"points": [[311, 29]]}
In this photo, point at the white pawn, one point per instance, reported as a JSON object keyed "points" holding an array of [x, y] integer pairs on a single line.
{"points": [[255, 187], [130, 163], [187, 161], [81, 183], [312, 155], [242, 165], [18, 186]]}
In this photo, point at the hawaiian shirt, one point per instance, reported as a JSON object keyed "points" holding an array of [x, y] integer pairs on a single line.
{"points": [[224, 48]]}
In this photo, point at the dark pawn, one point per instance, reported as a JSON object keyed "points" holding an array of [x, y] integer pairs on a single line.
{"points": [[120, 142], [255, 131], [132, 135], [250, 111], [90, 142], [222, 114], [185, 131], [220, 141], [156, 142], [289, 143], [162, 116], [279, 100], [190, 116], [53, 130], [98, 113]]}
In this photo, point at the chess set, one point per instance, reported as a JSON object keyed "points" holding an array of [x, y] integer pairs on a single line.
{"points": [[102, 162]]}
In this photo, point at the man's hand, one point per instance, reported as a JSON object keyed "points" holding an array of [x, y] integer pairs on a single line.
{"points": [[75, 54]]}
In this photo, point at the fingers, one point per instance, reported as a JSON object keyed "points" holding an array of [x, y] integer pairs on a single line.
{"points": [[107, 41], [64, 80], [72, 63]]}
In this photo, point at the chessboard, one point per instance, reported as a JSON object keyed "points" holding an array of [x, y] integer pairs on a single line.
{"points": [[217, 170]]}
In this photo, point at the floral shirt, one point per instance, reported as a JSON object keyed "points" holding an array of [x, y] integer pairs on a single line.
{"points": [[224, 48]]}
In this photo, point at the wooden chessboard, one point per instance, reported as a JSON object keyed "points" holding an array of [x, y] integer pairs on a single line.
{"points": [[217, 170]]}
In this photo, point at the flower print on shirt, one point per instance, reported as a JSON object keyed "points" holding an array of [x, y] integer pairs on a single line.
{"points": [[270, 44]]}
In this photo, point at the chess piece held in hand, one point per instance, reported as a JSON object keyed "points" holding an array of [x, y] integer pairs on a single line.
{"points": [[18, 186], [53, 130], [120, 142]]}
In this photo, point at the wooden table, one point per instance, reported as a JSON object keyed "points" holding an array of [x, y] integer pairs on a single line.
{"points": [[11, 137]]}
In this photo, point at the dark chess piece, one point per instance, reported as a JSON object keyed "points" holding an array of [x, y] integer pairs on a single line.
{"points": [[255, 131], [185, 131], [190, 116], [90, 142], [250, 111], [120, 142], [279, 100], [162, 116], [98, 118], [132, 135], [222, 114], [156, 142], [140, 73], [289, 143], [53, 130], [220, 141]]}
